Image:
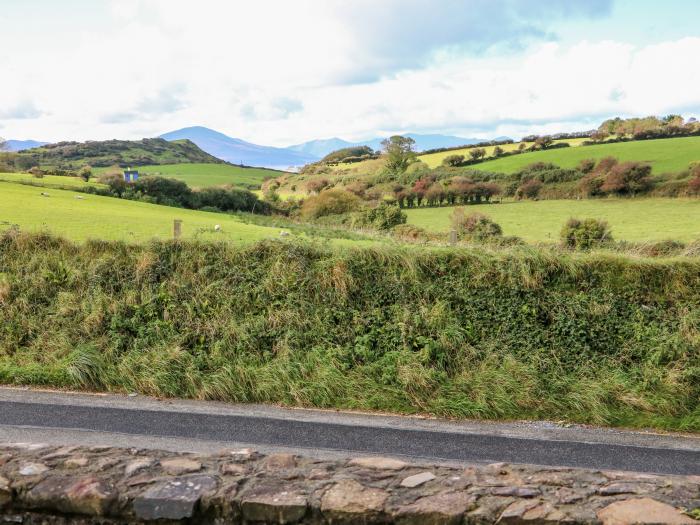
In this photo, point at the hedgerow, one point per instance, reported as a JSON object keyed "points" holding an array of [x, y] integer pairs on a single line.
{"points": [[511, 333]]}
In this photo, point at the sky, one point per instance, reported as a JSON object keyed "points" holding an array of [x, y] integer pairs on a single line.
{"points": [[281, 72]]}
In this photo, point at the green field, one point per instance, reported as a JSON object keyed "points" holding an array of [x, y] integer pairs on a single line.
{"points": [[202, 175], [434, 160], [47, 181], [664, 155], [630, 219], [79, 217]]}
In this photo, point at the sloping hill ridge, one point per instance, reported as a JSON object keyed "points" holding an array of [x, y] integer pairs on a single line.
{"points": [[71, 155], [238, 151]]}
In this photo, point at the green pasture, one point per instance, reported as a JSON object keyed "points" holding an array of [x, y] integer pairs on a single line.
{"points": [[202, 175], [47, 181], [664, 155], [78, 217], [631, 219]]}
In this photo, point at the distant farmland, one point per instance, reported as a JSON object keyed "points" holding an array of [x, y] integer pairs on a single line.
{"points": [[433, 160], [664, 155]]}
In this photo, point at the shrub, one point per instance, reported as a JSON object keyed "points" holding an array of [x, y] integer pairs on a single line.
{"points": [[694, 186], [409, 232], [453, 160], [36, 172], [529, 189], [329, 202], [382, 217], [586, 165], [474, 225], [664, 248], [353, 153], [498, 151], [628, 178], [317, 185], [585, 234]]}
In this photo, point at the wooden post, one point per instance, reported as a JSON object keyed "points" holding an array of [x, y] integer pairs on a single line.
{"points": [[453, 237], [177, 228]]}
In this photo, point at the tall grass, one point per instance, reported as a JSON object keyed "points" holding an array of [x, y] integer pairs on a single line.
{"points": [[520, 333]]}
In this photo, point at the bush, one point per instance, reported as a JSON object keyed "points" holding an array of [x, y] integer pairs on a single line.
{"points": [[317, 185], [529, 189], [586, 165], [585, 234], [329, 202], [409, 232], [474, 225], [383, 217]]}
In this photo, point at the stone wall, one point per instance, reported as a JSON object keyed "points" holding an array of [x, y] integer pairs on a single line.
{"points": [[47, 484]]}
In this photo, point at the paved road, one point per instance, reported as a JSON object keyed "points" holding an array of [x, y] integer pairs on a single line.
{"points": [[350, 435]]}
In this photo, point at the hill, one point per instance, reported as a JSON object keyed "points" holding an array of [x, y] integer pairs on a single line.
{"points": [[72, 155], [664, 155], [237, 151]]}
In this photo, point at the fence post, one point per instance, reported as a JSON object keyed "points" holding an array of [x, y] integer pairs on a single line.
{"points": [[177, 228], [453, 237]]}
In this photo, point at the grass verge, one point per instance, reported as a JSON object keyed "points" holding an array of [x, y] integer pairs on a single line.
{"points": [[460, 333]]}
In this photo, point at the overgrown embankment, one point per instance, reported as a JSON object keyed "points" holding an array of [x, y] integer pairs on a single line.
{"points": [[512, 334]]}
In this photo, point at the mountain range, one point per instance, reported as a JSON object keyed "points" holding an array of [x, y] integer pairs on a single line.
{"points": [[19, 145], [237, 151]]}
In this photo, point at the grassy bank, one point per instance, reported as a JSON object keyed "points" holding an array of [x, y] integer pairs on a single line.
{"points": [[517, 334], [640, 219]]}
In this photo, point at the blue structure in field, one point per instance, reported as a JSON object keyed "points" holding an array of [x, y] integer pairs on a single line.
{"points": [[131, 175]]}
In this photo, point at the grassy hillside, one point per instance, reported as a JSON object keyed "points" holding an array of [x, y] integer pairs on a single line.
{"points": [[72, 155], [79, 217], [48, 181], [458, 333], [631, 219], [202, 175], [664, 155], [435, 159]]}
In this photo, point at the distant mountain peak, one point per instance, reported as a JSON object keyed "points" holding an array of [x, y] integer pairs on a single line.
{"points": [[237, 151]]}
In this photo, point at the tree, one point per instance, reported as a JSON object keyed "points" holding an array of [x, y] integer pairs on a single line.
{"points": [[399, 152], [498, 151], [453, 160], [85, 173], [544, 142], [477, 153]]}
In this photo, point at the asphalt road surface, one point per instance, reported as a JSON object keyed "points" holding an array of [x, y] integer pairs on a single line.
{"points": [[351, 434]]}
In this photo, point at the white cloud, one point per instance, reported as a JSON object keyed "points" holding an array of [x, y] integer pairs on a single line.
{"points": [[281, 72]]}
